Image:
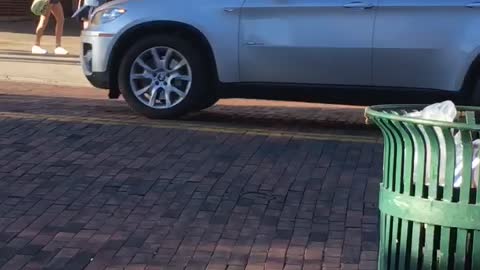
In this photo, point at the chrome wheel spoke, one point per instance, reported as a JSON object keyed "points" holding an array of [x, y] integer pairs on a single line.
{"points": [[143, 90], [138, 76], [166, 60], [142, 76], [158, 61], [144, 65], [179, 76], [178, 66], [168, 101], [153, 97]]}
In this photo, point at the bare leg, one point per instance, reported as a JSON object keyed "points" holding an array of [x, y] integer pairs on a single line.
{"points": [[42, 24], [57, 11]]}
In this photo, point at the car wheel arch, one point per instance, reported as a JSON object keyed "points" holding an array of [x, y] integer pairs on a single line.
{"points": [[155, 27], [471, 83]]}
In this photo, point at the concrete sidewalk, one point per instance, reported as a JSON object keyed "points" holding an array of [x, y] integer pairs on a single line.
{"points": [[19, 36], [17, 63]]}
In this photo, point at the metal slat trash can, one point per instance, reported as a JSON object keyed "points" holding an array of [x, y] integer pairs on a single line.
{"points": [[427, 220]]}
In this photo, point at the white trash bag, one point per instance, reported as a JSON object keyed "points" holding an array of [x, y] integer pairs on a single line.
{"points": [[446, 112], [459, 162]]}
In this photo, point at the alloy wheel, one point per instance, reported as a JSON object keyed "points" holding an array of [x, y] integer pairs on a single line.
{"points": [[160, 77]]}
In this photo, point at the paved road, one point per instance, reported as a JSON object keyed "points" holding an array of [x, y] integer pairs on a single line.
{"points": [[316, 119], [87, 184]]}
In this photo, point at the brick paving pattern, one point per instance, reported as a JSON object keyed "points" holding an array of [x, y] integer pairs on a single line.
{"points": [[35, 98], [99, 196]]}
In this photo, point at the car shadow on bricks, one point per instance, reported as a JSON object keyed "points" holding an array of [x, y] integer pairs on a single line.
{"points": [[299, 117]]}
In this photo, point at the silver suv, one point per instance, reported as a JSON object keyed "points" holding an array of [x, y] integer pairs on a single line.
{"points": [[170, 57]]}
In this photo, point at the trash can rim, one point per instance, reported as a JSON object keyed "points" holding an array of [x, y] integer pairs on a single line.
{"points": [[376, 111]]}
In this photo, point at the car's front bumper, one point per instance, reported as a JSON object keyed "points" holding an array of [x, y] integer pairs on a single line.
{"points": [[99, 79], [96, 49]]}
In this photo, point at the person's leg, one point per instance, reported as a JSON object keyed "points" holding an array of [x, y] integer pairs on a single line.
{"points": [[57, 11], [42, 24]]}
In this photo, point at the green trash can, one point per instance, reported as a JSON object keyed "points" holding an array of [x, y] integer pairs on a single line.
{"points": [[427, 219]]}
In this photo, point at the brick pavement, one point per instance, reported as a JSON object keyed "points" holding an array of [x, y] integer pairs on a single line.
{"points": [[99, 196], [88, 102]]}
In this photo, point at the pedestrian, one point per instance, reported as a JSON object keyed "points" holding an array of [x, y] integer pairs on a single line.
{"points": [[54, 7]]}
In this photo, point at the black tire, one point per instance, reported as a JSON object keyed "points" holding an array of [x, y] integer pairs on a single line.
{"points": [[475, 95], [207, 103], [200, 83]]}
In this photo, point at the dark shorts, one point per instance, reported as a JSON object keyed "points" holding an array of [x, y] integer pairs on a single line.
{"points": [[53, 2]]}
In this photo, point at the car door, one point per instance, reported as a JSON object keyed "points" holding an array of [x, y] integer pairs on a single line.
{"points": [[325, 42], [424, 43]]}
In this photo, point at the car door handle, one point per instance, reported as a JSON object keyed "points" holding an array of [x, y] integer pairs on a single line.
{"points": [[361, 5], [473, 5]]}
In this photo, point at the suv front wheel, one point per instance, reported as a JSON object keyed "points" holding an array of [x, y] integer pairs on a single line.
{"points": [[163, 77]]}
